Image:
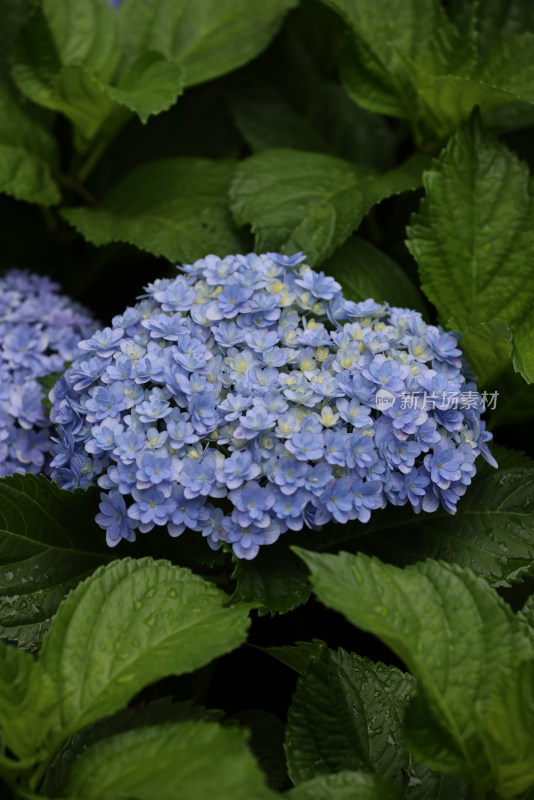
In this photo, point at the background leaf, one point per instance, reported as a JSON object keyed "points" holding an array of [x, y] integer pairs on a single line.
{"points": [[151, 85], [345, 786], [433, 66], [326, 200], [13, 16], [295, 656], [66, 58], [255, 101], [48, 543], [63, 39], [497, 20], [175, 208], [267, 744], [207, 37], [511, 728], [489, 346], [350, 131], [373, 61], [28, 154], [364, 271], [526, 615], [26, 704]]}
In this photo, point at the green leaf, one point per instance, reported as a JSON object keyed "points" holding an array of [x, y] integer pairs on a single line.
{"points": [[59, 58], [150, 86], [144, 620], [310, 201], [410, 60], [48, 382], [474, 234], [364, 271], [523, 349], [174, 207], [510, 67], [28, 154], [397, 50], [193, 759], [406, 177], [84, 33], [267, 744], [498, 19], [453, 97], [295, 656], [26, 703], [13, 16], [526, 615], [350, 131], [346, 786], [274, 581], [185, 130], [64, 34], [297, 201], [347, 714], [207, 37], [255, 101], [154, 713], [373, 69], [456, 621], [511, 730], [66, 59], [492, 531], [48, 543], [489, 345], [515, 401]]}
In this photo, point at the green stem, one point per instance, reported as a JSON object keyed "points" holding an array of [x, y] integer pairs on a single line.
{"points": [[49, 218], [39, 773], [92, 160], [72, 183], [107, 132]]}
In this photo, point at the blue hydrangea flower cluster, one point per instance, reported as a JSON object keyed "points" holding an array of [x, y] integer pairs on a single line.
{"points": [[39, 332], [242, 399]]}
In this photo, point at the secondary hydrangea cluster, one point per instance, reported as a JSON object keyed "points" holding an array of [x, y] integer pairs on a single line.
{"points": [[39, 332], [242, 399]]}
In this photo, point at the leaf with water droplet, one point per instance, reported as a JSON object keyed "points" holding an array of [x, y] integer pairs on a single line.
{"points": [[130, 649], [275, 580], [449, 723], [328, 726], [48, 543], [347, 714]]}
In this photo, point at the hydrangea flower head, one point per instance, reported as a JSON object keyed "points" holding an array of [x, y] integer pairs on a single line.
{"points": [[247, 397], [39, 332]]}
